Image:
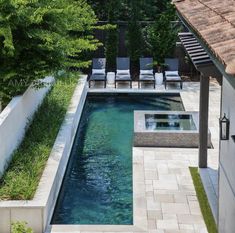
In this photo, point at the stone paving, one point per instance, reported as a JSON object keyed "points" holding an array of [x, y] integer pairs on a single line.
{"points": [[169, 195], [172, 204]]}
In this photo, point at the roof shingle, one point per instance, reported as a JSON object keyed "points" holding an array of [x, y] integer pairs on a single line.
{"points": [[214, 21]]}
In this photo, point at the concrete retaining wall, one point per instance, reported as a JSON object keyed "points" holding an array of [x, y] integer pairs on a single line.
{"points": [[37, 212], [14, 119]]}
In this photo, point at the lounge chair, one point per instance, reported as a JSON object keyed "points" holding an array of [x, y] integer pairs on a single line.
{"points": [[172, 73], [146, 72], [123, 71], [98, 71]]}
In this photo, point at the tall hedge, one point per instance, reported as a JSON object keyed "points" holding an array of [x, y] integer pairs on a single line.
{"points": [[111, 44], [111, 48], [134, 33], [40, 37], [161, 36]]}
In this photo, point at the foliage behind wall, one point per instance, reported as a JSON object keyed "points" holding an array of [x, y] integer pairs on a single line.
{"points": [[38, 38], [161, 36], [111, 45], [134, 34], [148, 9], [149, 31]]}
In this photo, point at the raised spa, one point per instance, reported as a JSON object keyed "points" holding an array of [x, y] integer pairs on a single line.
{"points": [[167, 129], [169, 122]]}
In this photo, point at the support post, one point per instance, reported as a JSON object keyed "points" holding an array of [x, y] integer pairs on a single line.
{"points": [[203, 120]]}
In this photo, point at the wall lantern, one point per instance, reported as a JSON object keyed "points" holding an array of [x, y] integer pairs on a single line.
{"points": [[224, 128]]}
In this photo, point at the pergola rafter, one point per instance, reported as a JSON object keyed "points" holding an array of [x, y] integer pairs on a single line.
{"points": [[204, 64]]}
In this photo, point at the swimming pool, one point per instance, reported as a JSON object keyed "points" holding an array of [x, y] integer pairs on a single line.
{"points": [[97, 187]]}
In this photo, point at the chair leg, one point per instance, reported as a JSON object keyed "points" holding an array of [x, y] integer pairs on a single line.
{"points": [[104, 84], [165, 84], [181, 85], [130, 84], [154, 85]]}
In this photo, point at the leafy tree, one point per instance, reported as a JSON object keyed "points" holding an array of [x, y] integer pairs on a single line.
{"points": [[40, 37], [152, 8], [101, 8], [148, 9], [161, 36]]}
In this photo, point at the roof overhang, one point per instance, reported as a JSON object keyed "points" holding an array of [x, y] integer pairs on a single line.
{"points": [[199, 57], [220, 66]]}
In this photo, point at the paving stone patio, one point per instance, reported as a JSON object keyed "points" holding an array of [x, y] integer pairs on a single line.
{"points": [[172, 204], [170, 198]]}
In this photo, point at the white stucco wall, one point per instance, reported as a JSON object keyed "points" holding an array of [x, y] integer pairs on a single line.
{"points": [[227, 163], [14, 119]]}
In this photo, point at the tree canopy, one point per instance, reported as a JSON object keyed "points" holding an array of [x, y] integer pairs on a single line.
{"points": [[161, 36], [40, 37], [148, 9]]}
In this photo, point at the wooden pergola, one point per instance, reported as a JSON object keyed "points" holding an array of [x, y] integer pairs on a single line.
{"points": [[204, 64]]}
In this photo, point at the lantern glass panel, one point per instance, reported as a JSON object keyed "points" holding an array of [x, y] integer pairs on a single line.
{"points": [[224, 130]]}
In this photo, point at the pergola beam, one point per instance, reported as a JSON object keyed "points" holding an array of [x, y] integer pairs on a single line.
{"points": [[205, 66]]}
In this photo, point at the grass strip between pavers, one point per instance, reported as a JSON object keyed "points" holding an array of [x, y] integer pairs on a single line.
{"points": [[203, 201], [22, 177]]}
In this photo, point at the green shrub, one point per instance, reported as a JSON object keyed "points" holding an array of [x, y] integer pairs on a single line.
{"points": [[161, 36], [111, 44], [111, 48], [20, 227], [203, 201], [134, 41]]}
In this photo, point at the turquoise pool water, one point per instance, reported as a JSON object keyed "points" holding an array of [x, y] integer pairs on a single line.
{"points": [[97, 187]]}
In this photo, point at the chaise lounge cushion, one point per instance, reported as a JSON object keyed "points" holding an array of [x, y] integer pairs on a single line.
{"points": [[172, 73], [172, 76], [98, 77], [123, 72], [125, 77], [146, 72], [98, 71], [147, 77]]}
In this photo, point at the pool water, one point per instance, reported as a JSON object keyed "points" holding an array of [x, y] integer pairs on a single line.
{"points": [[97, 187], [169, 122]]}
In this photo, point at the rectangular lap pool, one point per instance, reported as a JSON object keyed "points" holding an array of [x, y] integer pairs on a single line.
{"points": [[97, 187]]}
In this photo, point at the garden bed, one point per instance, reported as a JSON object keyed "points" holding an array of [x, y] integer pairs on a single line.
{"points": [[203, 201], [37, 211], [21, 179]]}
